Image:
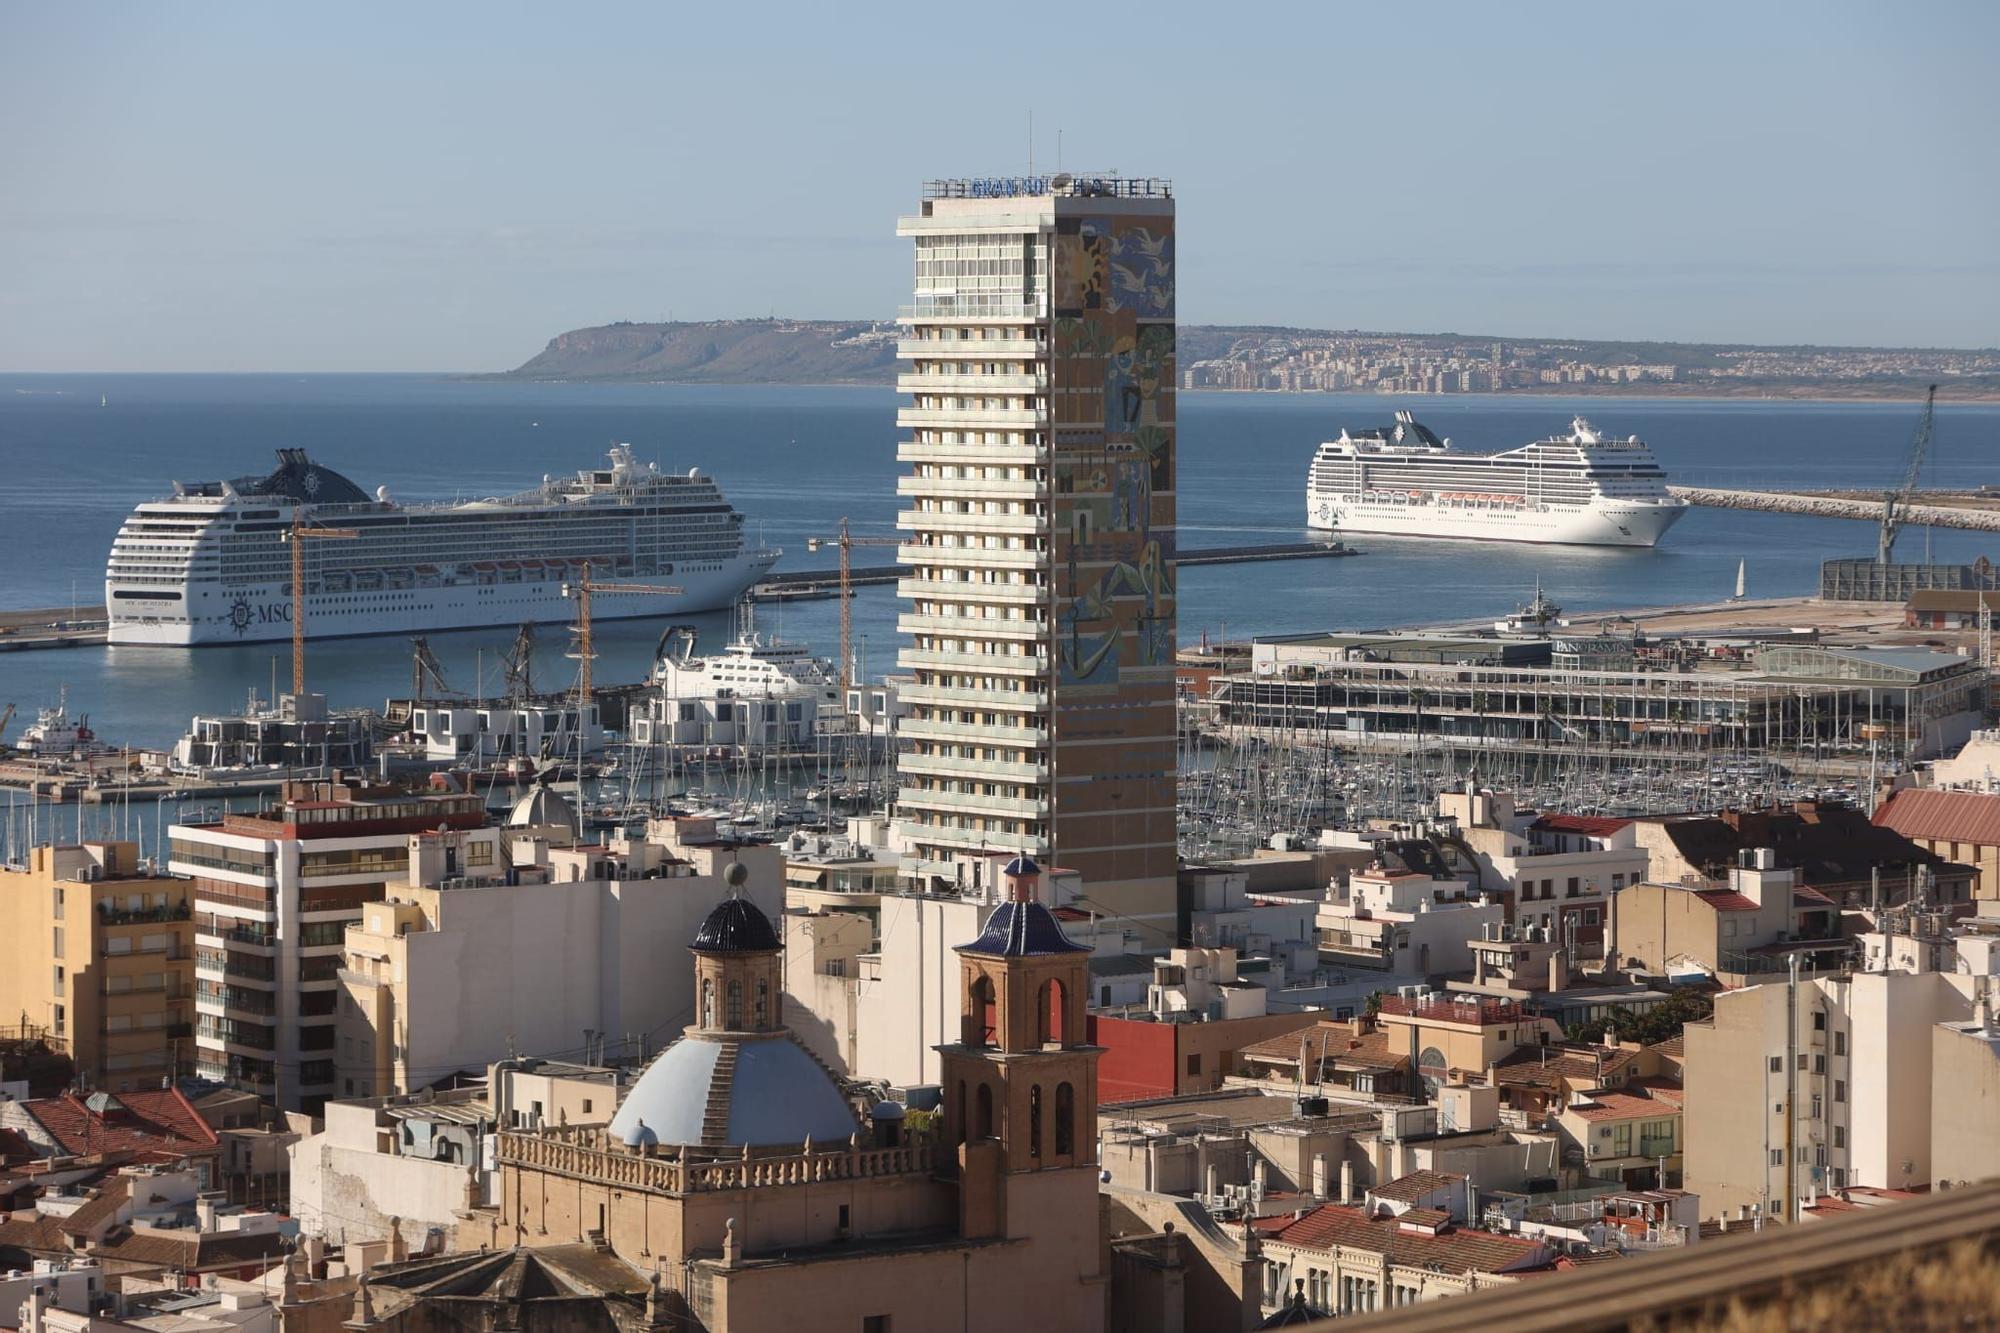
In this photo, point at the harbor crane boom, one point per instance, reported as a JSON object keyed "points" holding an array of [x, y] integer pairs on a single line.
{"points": [[1899, 500], [582, 590], [299, 534], [5, 718], [847, 541]]}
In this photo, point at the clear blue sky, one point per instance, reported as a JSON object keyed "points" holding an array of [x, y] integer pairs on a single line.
{"points": [[431, 186]]}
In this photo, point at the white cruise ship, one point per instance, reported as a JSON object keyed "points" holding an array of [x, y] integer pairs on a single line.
{"points": [[1578, 489], [210, 564]]}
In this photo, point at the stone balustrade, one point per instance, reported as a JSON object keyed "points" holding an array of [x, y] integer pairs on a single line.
{"points": [[589, 1153]]}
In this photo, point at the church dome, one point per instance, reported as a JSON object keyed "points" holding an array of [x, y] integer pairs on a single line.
{"points": [[540, 807], [735, 926], [774, 1095]]}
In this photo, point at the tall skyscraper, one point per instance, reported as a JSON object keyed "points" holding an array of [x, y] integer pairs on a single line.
{"points": [[1039, 533]]}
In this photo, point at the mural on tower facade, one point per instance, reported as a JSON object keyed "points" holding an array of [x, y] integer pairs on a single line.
{"points": [[1112, 312]]}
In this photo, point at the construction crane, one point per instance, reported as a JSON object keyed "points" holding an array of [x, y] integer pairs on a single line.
{"points": [[846, 541], [298, 536], [1892, 501], [5, 718], [582, 590]]}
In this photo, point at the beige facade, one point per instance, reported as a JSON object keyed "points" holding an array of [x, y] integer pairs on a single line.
{"points": [[488, 945], [99, 953], [1965, 1102], [1856, 1070], [1741, 930], [1039, 583]]}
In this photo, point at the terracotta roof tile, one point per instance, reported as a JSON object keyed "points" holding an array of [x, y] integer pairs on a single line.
{"points": [[1726, 900], [1453, 1251], [1623, 1106], [158, 1124], [1417, 1185], [1951, 816]]}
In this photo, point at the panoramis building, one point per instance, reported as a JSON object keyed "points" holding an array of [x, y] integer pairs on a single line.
{"points": [[761, 1194], [1038, 538], [97, 956]]}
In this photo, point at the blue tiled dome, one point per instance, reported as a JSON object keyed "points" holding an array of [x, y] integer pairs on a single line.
{"points": [[735, 926], [1022, 930]]}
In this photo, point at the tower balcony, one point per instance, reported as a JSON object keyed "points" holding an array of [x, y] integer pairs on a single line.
{"points": [[926, 520], [1025, 664], [974, 418], [958, 802], [919, 451], [927, 381], [1019, 700], [925, 729], [978, 770], [965, 590], [969, 349], [974, 488], [1026, 631]]}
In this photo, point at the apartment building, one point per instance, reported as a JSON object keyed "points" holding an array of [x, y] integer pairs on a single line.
{"points": [[1793, 1091], [1038, 536], [1749, 926], [486, 943], [1558, 871], [97, 953], [274, 893], [1405, 921]]}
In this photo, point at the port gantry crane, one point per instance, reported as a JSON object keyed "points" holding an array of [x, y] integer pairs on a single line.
{"points": [[1893, 501], [582, 590], [847, 541], [303, 530]]}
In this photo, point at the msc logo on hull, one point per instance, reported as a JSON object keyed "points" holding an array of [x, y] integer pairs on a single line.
{"points": [[242, 615]]}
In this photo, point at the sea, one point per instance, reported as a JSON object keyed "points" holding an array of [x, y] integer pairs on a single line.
{"points": [[78, 451]]}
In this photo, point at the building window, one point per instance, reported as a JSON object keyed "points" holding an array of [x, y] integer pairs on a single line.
{"points": [[1035, 1121], [1840, 1090], [1819, 1064], [1819, 1020], [1777, 1064], [734, 1015], [1840, 1136], [1065, 1120], [1840, 1043], [874, 1323], [1777, 1157], [1194, 1065], [763, 1004]]}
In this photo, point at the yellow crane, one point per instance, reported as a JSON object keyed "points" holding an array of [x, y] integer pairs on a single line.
{"points": [[303, 530], [846, 541], [581, 590]]}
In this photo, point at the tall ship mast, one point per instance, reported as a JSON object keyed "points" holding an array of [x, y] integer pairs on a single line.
{"points": [[211, 564], [1581, 489]]}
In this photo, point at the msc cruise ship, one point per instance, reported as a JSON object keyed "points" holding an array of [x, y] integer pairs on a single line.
{"points": [[211, 564], [1579, 489]]}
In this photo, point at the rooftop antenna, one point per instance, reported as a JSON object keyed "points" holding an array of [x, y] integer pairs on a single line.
{"points": [[1031, 141]]}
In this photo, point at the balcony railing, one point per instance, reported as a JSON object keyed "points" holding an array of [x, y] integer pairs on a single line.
{"points": [[112, 915], [587, 1153]]}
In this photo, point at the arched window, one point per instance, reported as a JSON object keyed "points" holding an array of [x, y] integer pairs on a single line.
{"points": [[1065, 1120], [964, 1129], [1050, 1013], [763, 1004], [708, 1002], [1035, 1121], [1433, 1069], [978, 1026], [985, 1124], [735, 1018]]}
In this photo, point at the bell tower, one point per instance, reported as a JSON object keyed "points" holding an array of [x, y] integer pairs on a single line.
{"points": [[1020, 1084]]}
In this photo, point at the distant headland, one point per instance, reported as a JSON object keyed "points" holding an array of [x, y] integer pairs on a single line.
{"points": [[1275, 359]]}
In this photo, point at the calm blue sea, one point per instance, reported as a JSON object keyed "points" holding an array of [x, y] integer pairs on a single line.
{"points": [[76, 452]]}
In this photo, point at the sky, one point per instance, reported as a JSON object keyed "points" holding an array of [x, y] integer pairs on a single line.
{"points": [[238, 187]]}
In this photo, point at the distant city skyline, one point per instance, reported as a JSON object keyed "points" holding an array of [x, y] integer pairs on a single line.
{"points": [[228, 188]]}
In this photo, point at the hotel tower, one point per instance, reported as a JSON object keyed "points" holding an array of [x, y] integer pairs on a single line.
{"points": [[1038, 534]]}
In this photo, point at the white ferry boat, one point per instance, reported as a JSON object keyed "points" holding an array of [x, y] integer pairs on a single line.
{"points": [[210, 564], [758, 693], [1579, 489]]}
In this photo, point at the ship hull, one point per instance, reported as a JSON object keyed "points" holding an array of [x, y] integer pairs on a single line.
{"points": [[217, 615], [1608, 523]]}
